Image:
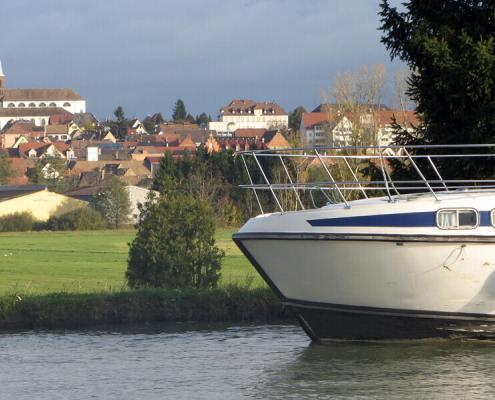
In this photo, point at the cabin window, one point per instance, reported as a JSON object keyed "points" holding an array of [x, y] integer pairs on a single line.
{"points": [[457, 219], [492, 217]]}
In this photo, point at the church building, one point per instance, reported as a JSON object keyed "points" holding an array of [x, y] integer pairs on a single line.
{"points": [[36, 105]]}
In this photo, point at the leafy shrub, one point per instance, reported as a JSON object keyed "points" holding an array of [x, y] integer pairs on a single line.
{"points": [[113, 202], [175, 245], [82, 219], [17, 222]]}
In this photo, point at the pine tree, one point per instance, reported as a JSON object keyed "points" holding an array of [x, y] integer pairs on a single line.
{"points": [[179, 114], [450, 47], [203, 119], [121, 124], [295, 117]]}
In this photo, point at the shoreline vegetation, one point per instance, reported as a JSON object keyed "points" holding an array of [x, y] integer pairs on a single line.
{"points": [[70, 280], [85, 310]]}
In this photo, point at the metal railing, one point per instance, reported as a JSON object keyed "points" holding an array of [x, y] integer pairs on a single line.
{"points": [[341, 167]]}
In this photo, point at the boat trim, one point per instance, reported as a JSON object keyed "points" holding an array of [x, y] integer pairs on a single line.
{"points": [[237, 237], [392, 312]]}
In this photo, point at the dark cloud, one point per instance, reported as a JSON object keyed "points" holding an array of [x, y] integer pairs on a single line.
{"points": [[145, 54]]}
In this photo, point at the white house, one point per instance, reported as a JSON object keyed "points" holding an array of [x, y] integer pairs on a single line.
{"points": [[137, 195], [36, 104], [322, 129], [249, 114]]}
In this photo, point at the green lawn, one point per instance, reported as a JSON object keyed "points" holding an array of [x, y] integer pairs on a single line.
{"points": [[43, 262]]}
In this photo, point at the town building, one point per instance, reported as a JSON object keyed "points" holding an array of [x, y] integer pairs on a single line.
{"points": [[249, 114], [373, 127], [36, 200], [36, 105]]}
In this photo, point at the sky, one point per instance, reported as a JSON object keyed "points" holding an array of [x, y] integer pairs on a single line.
{"points": [[145, 54]]}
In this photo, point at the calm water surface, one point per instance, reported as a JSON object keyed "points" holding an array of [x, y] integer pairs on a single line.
{"points": [[233, 362]]}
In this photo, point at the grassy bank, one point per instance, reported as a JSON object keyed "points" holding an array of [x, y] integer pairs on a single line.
{"points": [[87, 262], [76, 280], [72, 310]]}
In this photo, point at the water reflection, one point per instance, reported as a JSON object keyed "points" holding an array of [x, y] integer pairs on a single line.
{"points": [[186, 361]]}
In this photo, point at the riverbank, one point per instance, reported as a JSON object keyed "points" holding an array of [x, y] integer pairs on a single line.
{"points": [[75, 310], [91, 261]]}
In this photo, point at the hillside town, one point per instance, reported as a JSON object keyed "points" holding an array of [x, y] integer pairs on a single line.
{"points": [[39, 126]]}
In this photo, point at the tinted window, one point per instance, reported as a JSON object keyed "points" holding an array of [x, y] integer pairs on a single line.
{"points": [[467, 218], [457, 219]]}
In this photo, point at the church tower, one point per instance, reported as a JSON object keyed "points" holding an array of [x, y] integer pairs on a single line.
{"points": [[2, 80]]}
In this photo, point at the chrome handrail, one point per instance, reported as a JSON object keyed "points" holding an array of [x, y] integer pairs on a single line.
{"points": [[328, 157]]}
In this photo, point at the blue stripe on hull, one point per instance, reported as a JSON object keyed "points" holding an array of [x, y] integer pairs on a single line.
{"points": [[410, 220]]}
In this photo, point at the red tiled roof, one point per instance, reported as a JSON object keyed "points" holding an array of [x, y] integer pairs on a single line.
{"points": [[404, 118], [245, 106], [57, 129], [311, 119], [249, 133], [40, 95]]}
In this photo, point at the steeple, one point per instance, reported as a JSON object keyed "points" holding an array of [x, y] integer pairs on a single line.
{"points": [[2, 79]]}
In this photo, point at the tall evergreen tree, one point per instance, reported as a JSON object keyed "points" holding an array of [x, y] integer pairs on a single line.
{"points": [[120, 124], [450, 47], [295, 117], [179, 114], [203, 119]]}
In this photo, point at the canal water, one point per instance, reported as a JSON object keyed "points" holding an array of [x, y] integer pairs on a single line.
{"points": [[236, 362]]}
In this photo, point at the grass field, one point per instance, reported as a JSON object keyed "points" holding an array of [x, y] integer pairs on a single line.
{"points": [[82, 262]]}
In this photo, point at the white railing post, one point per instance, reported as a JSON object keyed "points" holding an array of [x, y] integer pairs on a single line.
{"points": [[267, 182], [251, 182]]}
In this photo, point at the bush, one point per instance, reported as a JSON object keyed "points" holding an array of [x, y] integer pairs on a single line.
{"points": [[113, 202], [82, 219], [17, 222], [175, 245]]}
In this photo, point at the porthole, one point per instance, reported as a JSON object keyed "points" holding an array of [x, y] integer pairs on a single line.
{"points": [[457, 218]]}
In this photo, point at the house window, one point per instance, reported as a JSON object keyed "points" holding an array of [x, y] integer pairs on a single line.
{"points": [[66, 104], [32, 105], [42, 105], [21, 105], [53, 105], [462, 218], [11, 105]]}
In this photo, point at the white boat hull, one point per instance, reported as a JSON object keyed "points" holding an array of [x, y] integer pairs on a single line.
{"points": [[400, 277], [380, 289]]}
